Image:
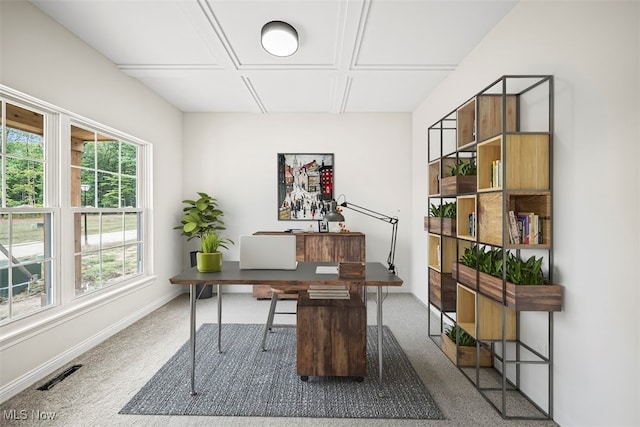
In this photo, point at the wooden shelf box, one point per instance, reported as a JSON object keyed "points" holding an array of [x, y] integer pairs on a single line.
{"points": [[439, 225], [488, 317], [454, 185], [525, 163], [483, 114], [442, 290], [442, 252], [466, 355], [489, 112], [434, 178], [466, 206], [466, 123], [490, 218], [492, 221], [540, 204]]}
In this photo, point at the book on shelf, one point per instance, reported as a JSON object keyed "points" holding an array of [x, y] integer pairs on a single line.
{"points": [[523, 227], [514, 234], [496, 174], [472, 224], [530, 228]]}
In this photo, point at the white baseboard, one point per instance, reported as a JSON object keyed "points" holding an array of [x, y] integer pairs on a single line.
{"points": [[42, 371]]}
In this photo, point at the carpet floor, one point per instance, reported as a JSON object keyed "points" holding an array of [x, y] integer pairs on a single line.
{"points": [[245, 381]]}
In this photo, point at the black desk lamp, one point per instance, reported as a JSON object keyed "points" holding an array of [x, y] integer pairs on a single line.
{"points": [[334, 215]]}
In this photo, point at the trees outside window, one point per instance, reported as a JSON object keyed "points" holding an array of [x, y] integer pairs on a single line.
{"points": [[25, 217], [105, 208], [107, 238]]}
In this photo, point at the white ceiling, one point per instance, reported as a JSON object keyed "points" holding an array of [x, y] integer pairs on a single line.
{"points": [[354, 55]]}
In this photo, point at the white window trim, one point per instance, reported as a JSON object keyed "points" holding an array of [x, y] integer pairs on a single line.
{"points": [[66, 304]]}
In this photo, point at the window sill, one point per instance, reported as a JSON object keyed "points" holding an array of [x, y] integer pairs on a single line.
{"points": [[25, 328]]}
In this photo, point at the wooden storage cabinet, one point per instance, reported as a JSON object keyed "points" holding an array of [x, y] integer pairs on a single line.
{"points": [[331, 337], [508, 128], [321, 247]]}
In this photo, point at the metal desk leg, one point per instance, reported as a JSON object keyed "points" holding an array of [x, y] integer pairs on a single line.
{"points": [[219, 320], [380, 357], [192, 294]]}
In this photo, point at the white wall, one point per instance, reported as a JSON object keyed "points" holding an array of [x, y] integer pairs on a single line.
{"points": [[593, 50], [233, 157], [43, 60]]}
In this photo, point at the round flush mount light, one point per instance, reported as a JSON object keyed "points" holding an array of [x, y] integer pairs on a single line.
{"points": [[279, 38]]}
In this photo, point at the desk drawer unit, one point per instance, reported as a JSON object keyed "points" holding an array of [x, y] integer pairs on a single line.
{"points": [[331, 337]]}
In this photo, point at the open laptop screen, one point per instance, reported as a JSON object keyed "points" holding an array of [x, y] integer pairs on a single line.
{"points": [[268, 252]]}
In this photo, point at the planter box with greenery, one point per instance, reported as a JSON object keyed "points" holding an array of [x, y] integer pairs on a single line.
{"points": [[466, 349], [442, 219], [465, 275], [524, 289], [462, 179]]}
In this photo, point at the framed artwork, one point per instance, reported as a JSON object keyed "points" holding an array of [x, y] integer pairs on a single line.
{"points": [[305, 186], [323, 226]]}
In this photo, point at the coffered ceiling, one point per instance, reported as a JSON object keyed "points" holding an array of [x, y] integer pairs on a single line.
{"points": [[354, 55]]}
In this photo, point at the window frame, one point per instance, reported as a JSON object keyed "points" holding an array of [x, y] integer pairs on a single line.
{"points": [[57, 201], [100, 211]]}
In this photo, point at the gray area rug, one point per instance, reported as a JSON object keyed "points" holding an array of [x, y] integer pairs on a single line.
{"points": [[245, 381]]}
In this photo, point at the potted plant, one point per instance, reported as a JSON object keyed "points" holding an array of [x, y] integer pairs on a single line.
{"points": [[442, 218], [209, 260], [464, 354], [200, 217], [461, 178]]}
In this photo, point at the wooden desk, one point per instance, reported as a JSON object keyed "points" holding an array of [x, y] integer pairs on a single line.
{"points": [[376, 275]]}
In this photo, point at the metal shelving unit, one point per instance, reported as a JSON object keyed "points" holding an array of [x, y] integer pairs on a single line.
{"points": [[507, 129]]}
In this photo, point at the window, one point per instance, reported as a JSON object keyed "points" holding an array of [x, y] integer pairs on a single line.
{"points": [[73, 206], [26, 258], [107, 232]]}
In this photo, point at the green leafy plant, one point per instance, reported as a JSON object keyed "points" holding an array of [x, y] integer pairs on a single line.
{"points": [[445, 210], [200, 216], [210, 242], [464, 339], [529, 272], [491, 261], [464, 168], [469, 257]]}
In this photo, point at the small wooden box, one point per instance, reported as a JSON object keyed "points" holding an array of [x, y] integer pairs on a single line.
{"points": [[351, 270], [466, 356]]}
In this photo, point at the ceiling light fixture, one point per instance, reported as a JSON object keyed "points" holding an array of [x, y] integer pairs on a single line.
{"points": [[279, 38]]}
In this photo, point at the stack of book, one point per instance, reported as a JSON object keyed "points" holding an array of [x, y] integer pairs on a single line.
{"points": [[328, 292], [525, 228]]}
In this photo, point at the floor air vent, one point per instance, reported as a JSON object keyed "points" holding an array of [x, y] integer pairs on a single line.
{"points": [[50, 384]]}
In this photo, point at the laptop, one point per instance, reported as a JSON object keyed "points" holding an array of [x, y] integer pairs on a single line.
{"points": [[268, 252]]}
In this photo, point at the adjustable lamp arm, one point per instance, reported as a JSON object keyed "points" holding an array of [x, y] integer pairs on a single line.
{"points": [[386, 218]]}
